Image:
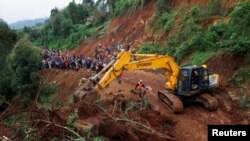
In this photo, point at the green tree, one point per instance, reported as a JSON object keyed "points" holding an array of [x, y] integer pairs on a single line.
{"points": [[66, 27], [8, 38], [54, 12], [55, 24], [25, 63], [78, 12], [241, 18]]}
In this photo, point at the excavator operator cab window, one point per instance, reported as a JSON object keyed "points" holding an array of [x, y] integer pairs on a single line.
{"points": [[195, 77], [205, 79], [183, 81]]}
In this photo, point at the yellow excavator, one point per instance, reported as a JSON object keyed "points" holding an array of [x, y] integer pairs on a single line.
{"points": [[190, 83]]}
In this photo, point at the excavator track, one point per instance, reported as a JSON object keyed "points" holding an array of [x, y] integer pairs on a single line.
{"points": [[170, 100], [209, 102]]}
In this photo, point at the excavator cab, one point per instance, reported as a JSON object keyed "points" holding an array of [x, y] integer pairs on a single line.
{"points": [[192, 80], [193, 85]]}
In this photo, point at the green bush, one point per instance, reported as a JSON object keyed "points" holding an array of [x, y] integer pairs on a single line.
{"points": [[214, 8], [123, 6], [2, 100], [152, 48], [163, 6], [25, 64], [195, 12], [8, 39], [240, 17], [45, 95], [230, 36], [164, 21], [72, 118], [245, 101], [199, 58], [5, 85], [241, 76]]}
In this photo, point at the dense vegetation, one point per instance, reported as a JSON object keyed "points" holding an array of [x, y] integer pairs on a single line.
{"points": [[77, 23], [8, 39], [190, 37], [20, 66], [187, 36]]}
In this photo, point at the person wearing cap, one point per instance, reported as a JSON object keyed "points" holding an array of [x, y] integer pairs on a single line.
{"points": [[140, 88]]}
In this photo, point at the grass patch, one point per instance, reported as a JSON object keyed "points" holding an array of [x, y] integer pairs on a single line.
{"points": [[70, 101], [152, 48], [241, 76], [199, 58], [72, 118], [127, 6], [47, 98], [245, 101], [11, 120]]}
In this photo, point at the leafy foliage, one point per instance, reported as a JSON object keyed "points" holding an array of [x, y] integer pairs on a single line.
{"points": [[191, 37], [245, 101], [241, 18], [163, 6], [46, 93], [164, 21], [152, 48], [6, 91], [25, 62], [8, 38], [69, 27], [241, 76], [123, 6], [78, 13], [72, 118], [200, 58], [214, 8]]}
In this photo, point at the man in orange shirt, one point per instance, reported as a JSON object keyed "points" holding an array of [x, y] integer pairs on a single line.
{"points": [[140, 88]]}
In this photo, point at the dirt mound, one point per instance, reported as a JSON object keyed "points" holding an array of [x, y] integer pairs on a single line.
{"points": [[157, 120], [226, 65], [67, 80], [112, 129], [85, 109]]}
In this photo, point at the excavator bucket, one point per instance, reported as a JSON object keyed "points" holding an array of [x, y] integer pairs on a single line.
{"points": [[85, 91]]}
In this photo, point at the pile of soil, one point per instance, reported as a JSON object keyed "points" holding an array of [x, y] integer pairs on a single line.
{"points": [[226, 65]]}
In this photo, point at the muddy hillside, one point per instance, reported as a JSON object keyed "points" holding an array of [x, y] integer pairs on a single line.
{"points": [[186, 30]]}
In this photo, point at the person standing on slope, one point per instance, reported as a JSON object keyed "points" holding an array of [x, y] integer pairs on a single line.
{"points": [[140, 89]]}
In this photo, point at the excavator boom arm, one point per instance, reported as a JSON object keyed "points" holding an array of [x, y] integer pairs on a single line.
{"points": [[147, 62]]}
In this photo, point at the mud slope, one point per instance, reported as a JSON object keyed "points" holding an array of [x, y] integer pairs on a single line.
{"points": [[67, 81], [226, 65], [127, 29], [186, 126]]}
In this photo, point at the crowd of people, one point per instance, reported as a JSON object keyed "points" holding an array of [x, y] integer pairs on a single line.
{"points": [[64, 60], [101, 57]]}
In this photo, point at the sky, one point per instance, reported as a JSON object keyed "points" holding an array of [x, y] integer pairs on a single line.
{"points": [[16, 10]]}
